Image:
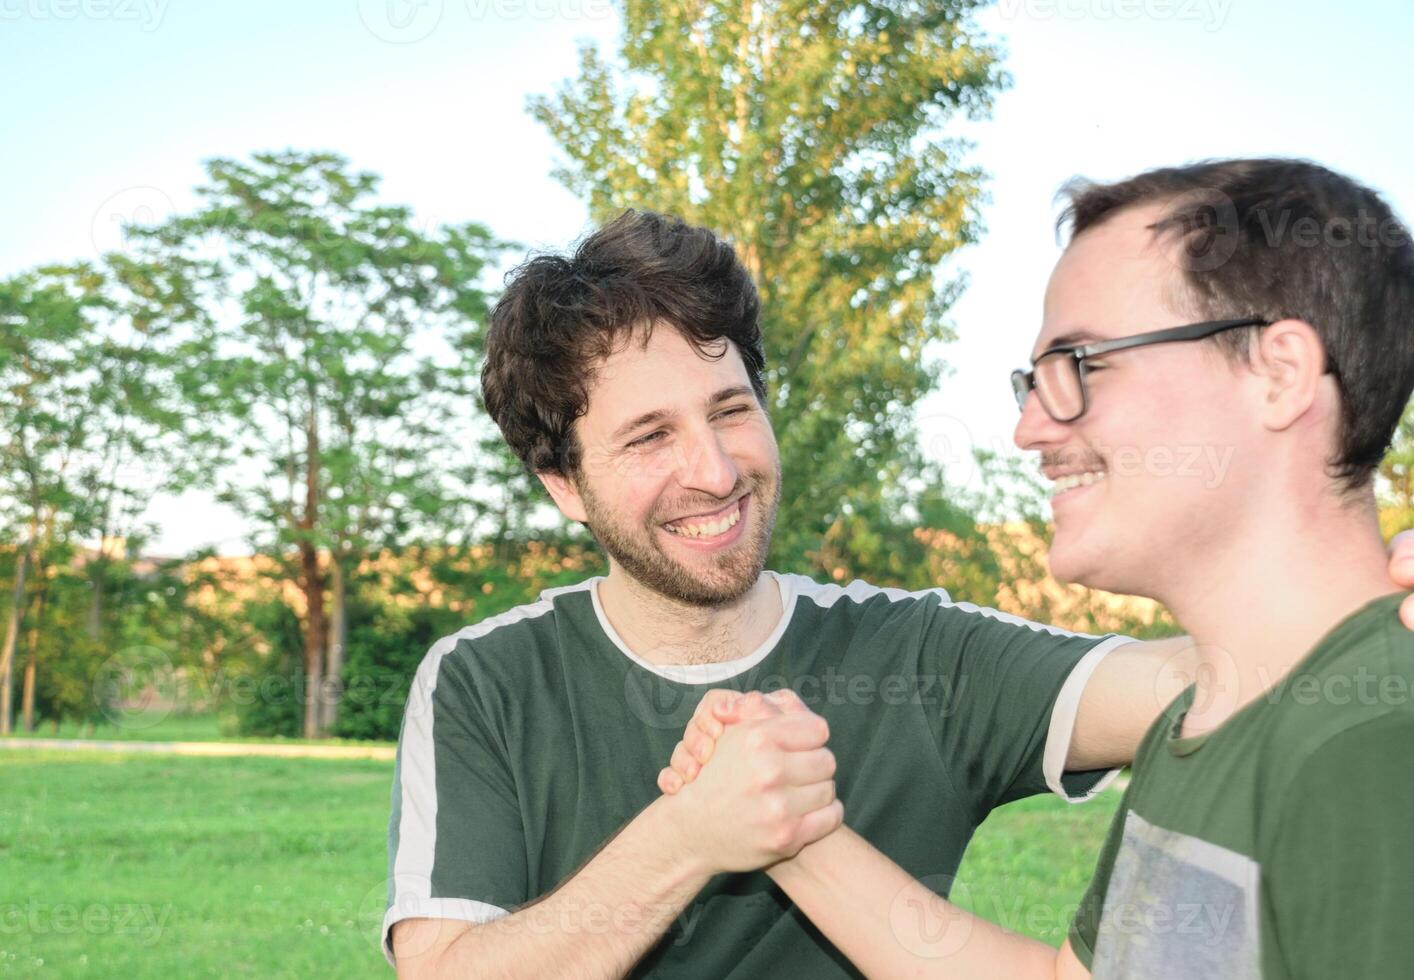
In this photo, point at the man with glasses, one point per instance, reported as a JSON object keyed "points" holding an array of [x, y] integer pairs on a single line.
{"points": [[1265, 830]]}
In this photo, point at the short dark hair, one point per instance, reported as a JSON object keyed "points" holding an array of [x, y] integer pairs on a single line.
{"points": [[1289, 239], [560, 314]]}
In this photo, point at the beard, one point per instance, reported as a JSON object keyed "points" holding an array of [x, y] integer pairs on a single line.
{"points": [[730, 574]]}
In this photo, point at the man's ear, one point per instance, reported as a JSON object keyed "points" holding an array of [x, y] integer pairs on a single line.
{"points": [[566, 496], [1291, 361]]}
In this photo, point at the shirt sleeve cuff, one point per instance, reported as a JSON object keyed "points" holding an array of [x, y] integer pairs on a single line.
{"points": [[1063, 715], [409, 905]]}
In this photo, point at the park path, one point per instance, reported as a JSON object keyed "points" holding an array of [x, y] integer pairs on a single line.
{"points": [[385, 752]]}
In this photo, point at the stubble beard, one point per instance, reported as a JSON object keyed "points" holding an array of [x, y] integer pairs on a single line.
{"points": [[732, 573]]}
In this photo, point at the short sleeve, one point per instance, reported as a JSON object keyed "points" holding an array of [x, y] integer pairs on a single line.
{"points": [[456, 847], [1340, 872], [1003, 682]]}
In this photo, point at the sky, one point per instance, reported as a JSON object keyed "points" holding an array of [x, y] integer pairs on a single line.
{"points": [[109, 107]]}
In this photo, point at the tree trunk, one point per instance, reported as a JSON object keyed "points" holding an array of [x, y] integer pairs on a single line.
{"points": [[314, 637], [12, 636], [96, 577], [27, 696], [338, 637], [32, 662]]}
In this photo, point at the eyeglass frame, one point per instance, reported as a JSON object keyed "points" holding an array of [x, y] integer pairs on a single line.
{"points": [[1082, 352]]}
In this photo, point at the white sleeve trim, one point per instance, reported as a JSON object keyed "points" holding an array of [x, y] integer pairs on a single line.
{"points": [[1063, 716], [410, 905]]}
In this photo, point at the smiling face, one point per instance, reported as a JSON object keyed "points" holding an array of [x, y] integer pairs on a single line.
{"points": [[1161, 467], [679, 478]]}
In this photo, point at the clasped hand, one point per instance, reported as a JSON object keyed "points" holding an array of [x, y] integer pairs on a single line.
{"points": [[769, 789]]}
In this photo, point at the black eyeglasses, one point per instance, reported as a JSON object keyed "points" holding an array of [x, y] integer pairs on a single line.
{"points": [[1058, 375]]}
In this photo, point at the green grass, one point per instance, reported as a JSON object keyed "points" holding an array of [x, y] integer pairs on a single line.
{"points": [[216, 867], [1032, 860], [164, 726], [151, 726], [130, 865]]}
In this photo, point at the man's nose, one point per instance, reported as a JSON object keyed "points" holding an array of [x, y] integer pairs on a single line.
{"points": [[706, 465], [1036, 429]]}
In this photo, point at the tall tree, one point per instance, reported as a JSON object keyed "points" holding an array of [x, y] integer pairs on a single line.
{"points": [[336, 368], [46, 376], [813, 134], [143, 436]]}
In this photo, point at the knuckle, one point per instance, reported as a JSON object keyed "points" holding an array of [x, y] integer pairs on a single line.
{"points": [[770, 773], [780, 839]]}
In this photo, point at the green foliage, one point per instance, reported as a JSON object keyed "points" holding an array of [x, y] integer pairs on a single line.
{"points": [[333, 374], [813, 135], [389, 634], [324, 372], [94, 431], [274, 703], [1397, 479]]}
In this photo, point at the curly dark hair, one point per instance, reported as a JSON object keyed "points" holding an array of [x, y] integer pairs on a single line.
{"points": [[1289, 239], [561, 315]]}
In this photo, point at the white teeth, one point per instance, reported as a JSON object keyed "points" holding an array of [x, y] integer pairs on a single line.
{"points": [[707, 529], [1072, 480]]}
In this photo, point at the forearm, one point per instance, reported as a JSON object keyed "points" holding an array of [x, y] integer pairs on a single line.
{"points": [[598, 923], [890, 925]]}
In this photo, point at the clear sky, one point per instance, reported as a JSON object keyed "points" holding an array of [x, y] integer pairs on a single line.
{"points": [[107, 108]]}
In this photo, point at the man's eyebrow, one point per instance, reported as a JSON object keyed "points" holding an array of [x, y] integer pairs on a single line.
{"points": [[735, 391], [663, 414], [647, 418]]}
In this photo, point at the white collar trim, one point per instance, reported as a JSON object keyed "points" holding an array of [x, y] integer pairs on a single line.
{"points": [[704, 673]]}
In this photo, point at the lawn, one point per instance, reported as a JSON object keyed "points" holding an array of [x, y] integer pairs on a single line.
{"points": [[170, 726], [123, 865]]}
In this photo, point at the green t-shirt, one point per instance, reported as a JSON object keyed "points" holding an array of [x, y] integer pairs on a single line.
{"points": [[533, 737], [1277, 845]]}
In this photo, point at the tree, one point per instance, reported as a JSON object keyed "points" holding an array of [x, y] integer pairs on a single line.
{"points": [[1397, 478], [94, 429], [812, 135], [45, 378], [336, 368], [143, 436]]}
